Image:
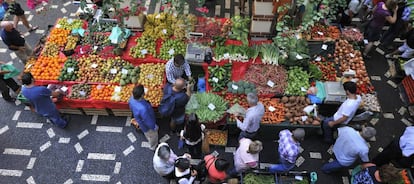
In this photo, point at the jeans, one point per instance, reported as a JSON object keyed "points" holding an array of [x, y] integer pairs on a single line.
{"points": [[284, 166], [332, 167], [244, 134], [328, 131], [56, 119], [152, 137]]}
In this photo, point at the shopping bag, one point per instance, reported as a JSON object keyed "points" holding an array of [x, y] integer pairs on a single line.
{"points": [[115, 36], [13, 71]]}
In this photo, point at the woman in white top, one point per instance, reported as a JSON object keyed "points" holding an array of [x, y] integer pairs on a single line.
{"points": [[193, 135], [247, 155], [184, 174], [163, 161]]}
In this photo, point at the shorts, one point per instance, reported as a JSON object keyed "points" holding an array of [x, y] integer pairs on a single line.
{"points": [[407, 52]]}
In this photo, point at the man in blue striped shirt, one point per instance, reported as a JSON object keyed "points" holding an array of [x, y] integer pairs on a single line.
{"points": [[176, 67]]}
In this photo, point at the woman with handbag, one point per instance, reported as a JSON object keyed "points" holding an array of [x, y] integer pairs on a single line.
{"points": [[7, 83], [193, 135]]}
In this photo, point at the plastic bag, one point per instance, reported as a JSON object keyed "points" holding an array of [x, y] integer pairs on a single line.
{"points": [[79, 31], [192, 104], [237, 109], [13, 71], [115, 36]]}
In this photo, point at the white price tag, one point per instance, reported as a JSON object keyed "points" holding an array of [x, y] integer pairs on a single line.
{"points": [[99, 87], [114, 71], [70, 21], [304, 118], [164, 31], [81, 51], [150, 76], [70, 69], [117, 89], [320, 33], [318, 59], [58, 26], [324, 47], [365, 41], [271, 108], [215, 79], [144, 51], [95, 48], [226, 55], [270, 83], [145, 90], [235, 87], [297, 36], [94, 65], [82, 93], [158, 16], [171, 52], [353, 29], [64, 88], [299, 57], [124, 71], [303, 89], [352, 54], [211, 106]]}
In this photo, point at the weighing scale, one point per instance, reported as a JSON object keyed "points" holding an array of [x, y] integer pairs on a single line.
{"points": [[335, 92], [196, 52]]}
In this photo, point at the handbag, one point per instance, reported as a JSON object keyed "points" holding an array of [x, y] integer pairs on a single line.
{"points": [[13, 71]]}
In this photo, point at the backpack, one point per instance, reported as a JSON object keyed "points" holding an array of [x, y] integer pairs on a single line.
{"points": [[167, 104]]}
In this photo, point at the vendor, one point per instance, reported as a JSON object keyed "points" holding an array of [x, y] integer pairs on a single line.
{"points": [[251, 123], [176, 67]]}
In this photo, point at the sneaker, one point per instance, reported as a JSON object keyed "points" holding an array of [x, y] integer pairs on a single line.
{"points": [[388, 56]]}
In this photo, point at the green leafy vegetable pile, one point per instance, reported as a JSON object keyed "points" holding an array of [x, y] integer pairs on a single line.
{"points": [[219, 76], [298, 82], [211, 107], [251, 178]]}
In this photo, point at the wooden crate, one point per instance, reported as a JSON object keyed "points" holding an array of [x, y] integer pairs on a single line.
{"points": [[262, 26], [91, 111], [71, 111], [262, 7], [121, 112]]}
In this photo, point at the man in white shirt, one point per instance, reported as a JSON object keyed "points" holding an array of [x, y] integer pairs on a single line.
{"points": [[344, 114], [353, 8], [251, 122], [400, 150], [349, 146]]}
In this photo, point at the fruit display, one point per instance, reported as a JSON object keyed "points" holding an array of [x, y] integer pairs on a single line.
{"points": [[69, 24], [97, 39], [170, 48], [47, 68], [182, 25], [102, 92], [122, 93], [154, 94], [69, 70], [145, 46], [211, 107], [219, 76], [29, 64], [326, 67], [252, 178], [130, 75], [111, 69], [274, 111], [344, 51], [216, 137], [159, 26], [151, 74], [323, 32], [210, 27], [294, 113], [50, 50], [90, 68], [59, 36], [267, 79], [240, 29], [71, 43], [352, 34], [298, 81], [241, 87], [80, 91]]}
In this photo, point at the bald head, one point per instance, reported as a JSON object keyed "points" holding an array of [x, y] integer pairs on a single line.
{"points": [[7, 25], [179, 84]]}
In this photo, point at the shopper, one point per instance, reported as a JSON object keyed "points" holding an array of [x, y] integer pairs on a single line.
{"points": [[247, 155], [5, 84], [184, 174], [289, 149], [39, 97], [181, 96], [352, 11], [344, 114], [368, 173], [144, 115], [216, 169], [383, 12], [14, 8], [193, 135], [400, 151], [163, 161], [251, 122], [12, 38], [177, 67], [407, 49], [349, 146], [394, 30]]}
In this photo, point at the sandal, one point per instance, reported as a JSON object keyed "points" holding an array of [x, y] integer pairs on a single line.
{"points": [[33, 28]]}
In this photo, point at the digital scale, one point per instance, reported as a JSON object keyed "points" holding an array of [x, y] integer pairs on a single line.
{"points": [[196, 52], [335, 92]]}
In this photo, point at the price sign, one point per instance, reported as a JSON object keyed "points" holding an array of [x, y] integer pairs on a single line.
{"points": [[82, 93], [144, 51], [352, 54], [303, 89], [58, 26], [270, 83], [145, 90], [320, 33], [70, 21], [81, 51], [299, 57], [95, 48], [215, 79], [150, 76], [235, 87], [113, 71], [117, 89], [94, 65], [226, 55], [99, 87], [158, 16], [324, 47], [70, 70], [164, 31], [171, 52], [318, 59], [211, 106], [271, 108], [297, 36], [304, 118], [64, 88], [124, 71]]}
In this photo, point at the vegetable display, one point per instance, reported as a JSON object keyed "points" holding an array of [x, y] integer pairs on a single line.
{"points": [[241, 87], [170, 48], [240, 29], [216, 137], [80, 91], [211, 107], [268, 79], [69, 70], [145, 46], [274, 111], [298, 81], [370, 102], [151, 74], [233, 53], [219, 76], [352, 34], [251, 178], [326, 67], [294, 113], [270, 54], [322, 32]]}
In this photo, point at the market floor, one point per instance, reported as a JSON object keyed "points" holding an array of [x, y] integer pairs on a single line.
{"points": [[108, 149]]}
